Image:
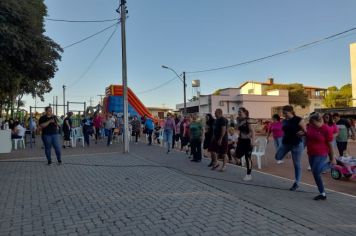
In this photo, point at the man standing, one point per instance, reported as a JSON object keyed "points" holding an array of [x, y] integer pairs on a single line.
{"points": [[109, 126], [50, 127], [344, 127], [219, 141]]}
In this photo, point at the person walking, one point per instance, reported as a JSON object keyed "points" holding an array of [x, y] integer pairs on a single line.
{"points": [[245, 141], [319, 139], [218, 145], [294, 128], [275, 128], [50, 137], [136, 128], [341, 139], [196, 137], [232, 142], [109, 125], [67, 127], [208, 134], [98, 123], [87, 127], [149, 127], [169, 126]]}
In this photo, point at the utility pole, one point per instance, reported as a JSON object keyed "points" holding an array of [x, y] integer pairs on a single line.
{"points": [[185, 94], [53, 104], [123, 12], [91, 101], [57, 105], [101, 98], [64, 100]]}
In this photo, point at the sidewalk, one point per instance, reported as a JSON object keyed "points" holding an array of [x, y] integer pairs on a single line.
{"points": [[268, 163], [148, 192]]}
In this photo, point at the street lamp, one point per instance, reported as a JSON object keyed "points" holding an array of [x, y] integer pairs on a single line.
{"points": [[184, 86]]}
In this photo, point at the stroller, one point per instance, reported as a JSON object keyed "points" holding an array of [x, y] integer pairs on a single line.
{"points": [[346, 166]]}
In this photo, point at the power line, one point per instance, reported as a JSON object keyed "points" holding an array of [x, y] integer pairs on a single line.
{"points": [[157, 87], [275, 54], [90, 36], [81, 21], [96, 58]]}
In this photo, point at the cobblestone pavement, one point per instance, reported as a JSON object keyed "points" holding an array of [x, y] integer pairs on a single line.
{"points": [[147, 193]]}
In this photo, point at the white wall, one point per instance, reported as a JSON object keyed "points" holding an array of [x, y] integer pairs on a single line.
{"points": [[353, 72]]}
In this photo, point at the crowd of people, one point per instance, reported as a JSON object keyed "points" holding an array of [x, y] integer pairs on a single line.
{"points": [[230, 140], [216, 137]]}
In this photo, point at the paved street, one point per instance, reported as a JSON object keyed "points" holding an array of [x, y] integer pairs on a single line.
{"points": [[150, 193]]}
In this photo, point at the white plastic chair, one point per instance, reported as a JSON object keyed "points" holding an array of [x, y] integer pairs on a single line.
{"points": [[77, 135], [259, 150], [19, 140]]}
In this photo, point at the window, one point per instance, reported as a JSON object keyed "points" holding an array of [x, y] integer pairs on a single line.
{"points": [[221, 103], [251, 91], [233, 108]]}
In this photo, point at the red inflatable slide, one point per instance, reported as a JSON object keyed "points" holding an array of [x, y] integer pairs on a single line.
{"points": [[116, 90]]}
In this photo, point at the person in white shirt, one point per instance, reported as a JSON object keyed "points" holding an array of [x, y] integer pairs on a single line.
{"points": [[232, 142], [18, 131]]}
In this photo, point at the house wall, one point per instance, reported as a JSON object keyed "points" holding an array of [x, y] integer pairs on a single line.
{"points": [[260, 106], [252, 88]]}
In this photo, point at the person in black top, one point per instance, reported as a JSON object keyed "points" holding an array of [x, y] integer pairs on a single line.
{"points": [[50, 127], [67, 126], [208, 135], [218, 146], [246, 140], [294, 128]]}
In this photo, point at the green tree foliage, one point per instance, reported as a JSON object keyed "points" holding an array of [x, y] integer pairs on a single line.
{"points": [[28, 58], [339, 97], [297, 96]]}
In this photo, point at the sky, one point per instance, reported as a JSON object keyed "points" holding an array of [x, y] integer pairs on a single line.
{"points": [[191, 35]]}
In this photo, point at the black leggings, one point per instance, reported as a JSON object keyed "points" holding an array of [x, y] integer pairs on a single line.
{"points": [[97, 132], [136, 134], [341, 146], [244, 148]]}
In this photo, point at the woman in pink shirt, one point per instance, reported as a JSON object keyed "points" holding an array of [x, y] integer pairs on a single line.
{"points": [[328, 120], [319, 139], [275, 129]]}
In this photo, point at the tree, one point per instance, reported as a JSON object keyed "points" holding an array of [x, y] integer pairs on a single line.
{"points": [[28, 58], [194, 98], [339, 97], [296, 94]]}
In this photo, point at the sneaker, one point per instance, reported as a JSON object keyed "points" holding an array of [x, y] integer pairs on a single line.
{"points": [[63, 146], [59, 162], [168, 151], [214, 167], [49, 163], [319, 197], [247, 178], [294, 187], [280, 162]]}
